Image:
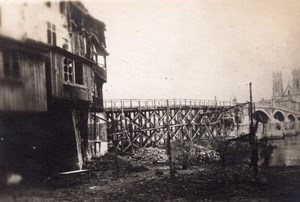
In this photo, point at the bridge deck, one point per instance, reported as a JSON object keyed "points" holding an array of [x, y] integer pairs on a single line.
{"points": [[134, 104]]}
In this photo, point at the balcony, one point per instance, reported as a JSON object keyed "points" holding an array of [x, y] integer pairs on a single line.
{"points": [[100, 71], [75, 92]]}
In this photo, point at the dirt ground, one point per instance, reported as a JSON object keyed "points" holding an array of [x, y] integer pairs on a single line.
{"points": [[140, 182]]}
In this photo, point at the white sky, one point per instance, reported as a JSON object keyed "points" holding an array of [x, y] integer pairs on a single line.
{"points": [[197, 49]]}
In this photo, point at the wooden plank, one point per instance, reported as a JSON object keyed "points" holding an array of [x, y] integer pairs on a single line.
{"points": [[77, 138]]}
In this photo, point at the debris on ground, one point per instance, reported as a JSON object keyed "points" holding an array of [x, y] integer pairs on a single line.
{"points": [[182, 153], [208, 182], [151, 156], [189, 153]]}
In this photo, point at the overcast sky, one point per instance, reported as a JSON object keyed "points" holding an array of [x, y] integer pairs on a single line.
{"points": [[198, 48]]}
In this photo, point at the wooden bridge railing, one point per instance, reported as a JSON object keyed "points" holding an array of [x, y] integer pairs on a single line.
{"points": [[153, 103]]}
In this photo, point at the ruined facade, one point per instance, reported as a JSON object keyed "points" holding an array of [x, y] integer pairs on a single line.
{"points": [[52, 69]]}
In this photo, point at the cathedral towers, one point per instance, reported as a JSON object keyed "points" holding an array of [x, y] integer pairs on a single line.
{"points": [[296, 81], [277, 85], [292, 90]]}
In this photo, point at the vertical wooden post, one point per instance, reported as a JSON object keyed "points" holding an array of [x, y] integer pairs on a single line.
{"points": [[223, 124], [115, 140], [95, 134], [216, 101], [250, 114], [140, 120], [254, 151], [77, 137], [169, 150]]}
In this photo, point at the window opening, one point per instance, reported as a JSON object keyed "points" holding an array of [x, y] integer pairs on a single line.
{"points": [[62, 7], [11, 64], [78, 73], [68, 70], [51, 33]]}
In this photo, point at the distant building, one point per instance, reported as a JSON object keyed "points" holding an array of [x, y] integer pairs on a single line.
{"points": [[288, 96], [52, 69]]}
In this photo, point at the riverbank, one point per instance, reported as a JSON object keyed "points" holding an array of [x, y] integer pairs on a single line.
{"points": [[140, 182]]}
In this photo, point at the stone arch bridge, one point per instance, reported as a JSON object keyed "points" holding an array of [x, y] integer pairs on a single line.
{"points": [[276, 121]]}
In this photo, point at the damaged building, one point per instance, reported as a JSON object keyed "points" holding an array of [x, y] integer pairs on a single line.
{"points": [[52, 70]]}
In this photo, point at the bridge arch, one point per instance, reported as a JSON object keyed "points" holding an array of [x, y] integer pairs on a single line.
{"points": [[278, 115], [261, 116], [291, 118]]}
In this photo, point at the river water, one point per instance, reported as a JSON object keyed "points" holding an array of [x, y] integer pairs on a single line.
{"points": [[287, 152]]}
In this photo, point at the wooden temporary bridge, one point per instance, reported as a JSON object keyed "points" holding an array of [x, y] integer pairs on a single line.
{"points": [[134, 124]]}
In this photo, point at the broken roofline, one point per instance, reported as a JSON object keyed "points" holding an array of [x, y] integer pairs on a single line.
{"points": [[89, 23]]}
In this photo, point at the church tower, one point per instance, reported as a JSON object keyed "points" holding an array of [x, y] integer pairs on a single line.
{"points": [[296, 81], [277, 85]]}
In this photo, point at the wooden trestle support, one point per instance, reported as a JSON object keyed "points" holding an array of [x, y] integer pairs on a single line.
{"points": [[144, 126]]}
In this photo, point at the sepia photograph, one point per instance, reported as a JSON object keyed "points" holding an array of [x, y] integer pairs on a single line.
{"points": [[149, 100]]}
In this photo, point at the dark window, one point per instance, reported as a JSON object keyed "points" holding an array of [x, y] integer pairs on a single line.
{"points": [[62, 7], [51, 33], [11, 67], [78, 73], [297, 84], [98, 88], [54, 34], [76, 19], [48, 4]]}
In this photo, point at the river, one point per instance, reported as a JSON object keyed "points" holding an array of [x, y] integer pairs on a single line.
{"points": [[287, 152]]}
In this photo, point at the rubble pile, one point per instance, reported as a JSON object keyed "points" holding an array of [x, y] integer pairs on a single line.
{"points": [[151, 155], [189, 153], [182, 153]]}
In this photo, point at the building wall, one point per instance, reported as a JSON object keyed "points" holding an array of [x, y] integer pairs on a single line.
{"points": [[28, 92], [42, 87], [32, 24]]}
